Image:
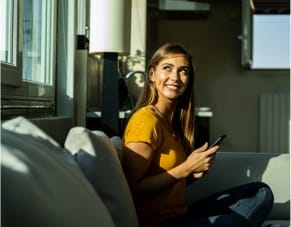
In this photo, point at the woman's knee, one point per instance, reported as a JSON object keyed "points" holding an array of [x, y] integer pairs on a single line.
{"points": [[267, 194]]}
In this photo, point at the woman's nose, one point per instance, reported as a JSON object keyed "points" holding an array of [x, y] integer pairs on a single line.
{"points": [[175, 75]]}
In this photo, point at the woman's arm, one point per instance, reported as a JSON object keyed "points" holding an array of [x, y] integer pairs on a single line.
{"points": [[138, 157]]}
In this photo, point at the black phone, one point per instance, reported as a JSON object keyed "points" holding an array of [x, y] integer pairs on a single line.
{"points": [[218, 141]]}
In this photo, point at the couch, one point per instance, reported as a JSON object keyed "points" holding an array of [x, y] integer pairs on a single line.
{"points": [[54, 174]]}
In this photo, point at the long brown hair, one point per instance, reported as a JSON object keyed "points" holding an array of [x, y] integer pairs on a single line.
{"points": [[183, 119]]}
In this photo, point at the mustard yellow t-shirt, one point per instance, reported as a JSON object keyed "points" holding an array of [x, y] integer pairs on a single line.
{"points": [[147, 126]]}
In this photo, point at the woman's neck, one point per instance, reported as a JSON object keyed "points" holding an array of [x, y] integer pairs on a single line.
{"points": [[166, 109], [166, 112]]}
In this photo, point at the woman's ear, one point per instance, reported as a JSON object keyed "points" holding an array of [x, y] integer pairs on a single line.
{"points": [[151, 73]]}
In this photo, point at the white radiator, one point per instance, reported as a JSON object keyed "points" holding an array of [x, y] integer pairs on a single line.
{"points": [[274, 118]]}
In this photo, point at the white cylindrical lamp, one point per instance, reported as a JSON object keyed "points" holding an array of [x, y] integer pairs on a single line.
{"points": [[110, 25]]}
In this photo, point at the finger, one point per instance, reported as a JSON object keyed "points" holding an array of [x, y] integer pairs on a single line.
{"points": [[202, 148], [198, 175], [212, 150]]}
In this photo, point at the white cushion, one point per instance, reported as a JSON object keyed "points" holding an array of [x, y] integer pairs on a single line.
{"points": [[277, 175], [97, 157], [40, 187], [23, 126]]}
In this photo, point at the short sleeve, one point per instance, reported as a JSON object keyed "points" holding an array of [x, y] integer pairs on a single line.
{"points": [[143, 126]]}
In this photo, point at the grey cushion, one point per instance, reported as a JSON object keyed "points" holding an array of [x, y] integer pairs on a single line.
{"points": [[97, 157], [40, 187], [117, 142]]}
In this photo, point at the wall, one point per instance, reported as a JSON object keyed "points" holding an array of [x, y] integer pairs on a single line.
{"points": [[221, 83]]}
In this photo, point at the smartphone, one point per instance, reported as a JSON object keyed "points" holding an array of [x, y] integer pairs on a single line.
{"points": [[218, 141]]}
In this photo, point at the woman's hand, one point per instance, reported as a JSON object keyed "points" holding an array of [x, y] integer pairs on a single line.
{"points": [[137, 159], [200, 160]]}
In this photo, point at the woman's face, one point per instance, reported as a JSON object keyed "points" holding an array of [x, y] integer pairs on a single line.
{"points": [[171, 76]]}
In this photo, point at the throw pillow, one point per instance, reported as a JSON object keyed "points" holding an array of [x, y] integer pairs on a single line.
{"points": [[97, 157]]}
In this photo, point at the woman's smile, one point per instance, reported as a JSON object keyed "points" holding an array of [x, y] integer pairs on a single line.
{"points": [[173, 86]]}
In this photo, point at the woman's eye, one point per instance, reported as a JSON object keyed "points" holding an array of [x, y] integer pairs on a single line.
{"points": [[167, 68], [184, 71]]}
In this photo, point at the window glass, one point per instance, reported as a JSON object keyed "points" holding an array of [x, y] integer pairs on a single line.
{"points": [[271, 41], [6, 31], [37, 41]]}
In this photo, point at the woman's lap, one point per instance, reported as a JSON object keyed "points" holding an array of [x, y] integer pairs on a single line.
{"points": [[238, 206]]}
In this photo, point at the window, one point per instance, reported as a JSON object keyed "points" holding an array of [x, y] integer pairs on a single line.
{"points": [[8, 40], [270, 41], [37, 41], [27, 51], [9, 43], [266, 35]]}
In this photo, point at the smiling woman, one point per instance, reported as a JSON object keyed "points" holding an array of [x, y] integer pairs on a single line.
{"points": [[159, 155]]}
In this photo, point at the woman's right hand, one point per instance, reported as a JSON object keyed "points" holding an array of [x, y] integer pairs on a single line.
{"points": [[200, 160]]}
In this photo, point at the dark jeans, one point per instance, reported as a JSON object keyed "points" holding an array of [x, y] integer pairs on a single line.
{"points": [[243, 206]]}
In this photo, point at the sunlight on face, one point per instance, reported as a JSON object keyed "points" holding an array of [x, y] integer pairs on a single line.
{"points": [[171, 76]]}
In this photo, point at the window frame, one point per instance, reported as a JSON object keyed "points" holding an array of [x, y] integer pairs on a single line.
{"points": [[13, 88], [11, 73]]}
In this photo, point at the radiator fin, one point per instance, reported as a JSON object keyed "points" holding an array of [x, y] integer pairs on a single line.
{"points": [[274, 110]]}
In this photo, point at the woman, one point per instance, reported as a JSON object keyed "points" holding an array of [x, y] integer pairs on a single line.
{"points": [[158, 154]]}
